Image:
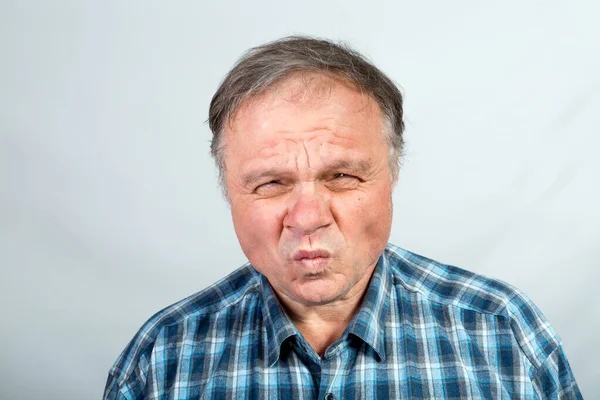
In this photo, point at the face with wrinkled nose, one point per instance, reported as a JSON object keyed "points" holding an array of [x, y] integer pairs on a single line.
{"points": [[309, 183]]}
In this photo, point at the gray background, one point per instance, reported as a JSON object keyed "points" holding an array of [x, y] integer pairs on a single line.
{"points": [[109, 207]]}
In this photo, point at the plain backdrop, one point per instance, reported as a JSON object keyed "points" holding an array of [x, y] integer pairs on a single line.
{"points": [[109, 205]]}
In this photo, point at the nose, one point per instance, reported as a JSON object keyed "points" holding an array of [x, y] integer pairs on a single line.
{"points": [[308, 211]]}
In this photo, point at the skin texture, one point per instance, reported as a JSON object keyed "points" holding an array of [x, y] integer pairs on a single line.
{"points": [[309, 183]]}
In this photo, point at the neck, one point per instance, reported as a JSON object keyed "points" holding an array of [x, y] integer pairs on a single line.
{"points": [[323, 324]]}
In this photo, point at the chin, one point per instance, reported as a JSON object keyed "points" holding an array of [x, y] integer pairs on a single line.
{"points": [[318, 293], [316, 301]]}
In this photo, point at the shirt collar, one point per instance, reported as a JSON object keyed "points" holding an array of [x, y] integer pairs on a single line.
{"points": [[368, 324], [279, 327]]}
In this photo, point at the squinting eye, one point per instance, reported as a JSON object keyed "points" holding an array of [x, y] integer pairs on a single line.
{"points": [[271, 188], [342, 181], [273, 182]]}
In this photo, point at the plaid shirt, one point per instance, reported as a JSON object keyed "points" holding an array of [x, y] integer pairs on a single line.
{"points": [[424, 330]]}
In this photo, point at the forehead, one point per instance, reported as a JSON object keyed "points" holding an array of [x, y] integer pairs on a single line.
{"points": [[306, 107]]}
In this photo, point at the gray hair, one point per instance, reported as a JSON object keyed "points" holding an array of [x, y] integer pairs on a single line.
{"points": [[260, 68]]}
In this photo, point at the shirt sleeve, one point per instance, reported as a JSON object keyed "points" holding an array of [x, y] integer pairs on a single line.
{"points": [[123, 391], [111, 391], [128, 377], [554, 379]]}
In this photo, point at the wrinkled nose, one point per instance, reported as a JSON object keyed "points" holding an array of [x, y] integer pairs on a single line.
{"points": [[308, 211]]}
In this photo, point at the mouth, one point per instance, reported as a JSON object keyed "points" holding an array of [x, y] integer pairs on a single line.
{"points": [[313, 261], [310, 254]]}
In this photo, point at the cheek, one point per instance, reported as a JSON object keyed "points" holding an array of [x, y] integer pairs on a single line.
{"points": [[256, 225], [365, 217]]}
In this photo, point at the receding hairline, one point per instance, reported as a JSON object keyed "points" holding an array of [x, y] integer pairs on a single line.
{"points": [[329, 79]]}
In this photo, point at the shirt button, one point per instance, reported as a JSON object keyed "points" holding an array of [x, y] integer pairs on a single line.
{"points": [[329, 396]]}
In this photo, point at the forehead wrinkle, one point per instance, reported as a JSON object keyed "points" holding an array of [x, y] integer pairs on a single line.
{"points": [[304, 135], [306, 155], [300, 86], [298, 154], [330, 121]]}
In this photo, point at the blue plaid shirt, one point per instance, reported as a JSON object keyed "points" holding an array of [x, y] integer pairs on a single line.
{"points": [[424, 330]]}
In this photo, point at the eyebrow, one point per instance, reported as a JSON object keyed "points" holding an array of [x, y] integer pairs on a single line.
{"points": [[253, 177], [356, 167]]}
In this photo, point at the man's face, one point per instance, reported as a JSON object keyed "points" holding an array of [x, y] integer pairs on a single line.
{"points": [[309, 183]]}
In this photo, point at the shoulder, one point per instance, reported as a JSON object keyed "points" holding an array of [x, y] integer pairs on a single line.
{"points": [[449, 285], [195, 310], [439, 284]]}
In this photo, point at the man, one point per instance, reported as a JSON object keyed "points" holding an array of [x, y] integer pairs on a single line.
{"points": [[307, 136]]}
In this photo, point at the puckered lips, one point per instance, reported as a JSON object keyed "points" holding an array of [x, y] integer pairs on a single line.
{"points": [[312, 261]]}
